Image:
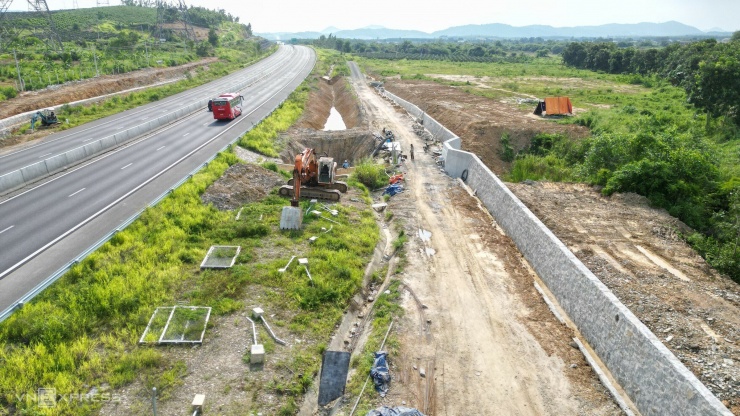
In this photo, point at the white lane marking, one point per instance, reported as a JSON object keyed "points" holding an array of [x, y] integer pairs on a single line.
{"points": [[87, 140], [43, 156], [207, 123], [7, 229], [159, 149], [77, 192], [95, 215], [144, 118], [126, 166], [185, 134], [119, 128]]}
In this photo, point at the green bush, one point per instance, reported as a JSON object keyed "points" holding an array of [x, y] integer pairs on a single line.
{"points": [[370, 174]]}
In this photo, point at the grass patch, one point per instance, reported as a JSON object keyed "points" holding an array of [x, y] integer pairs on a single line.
{"points": [[262, 138], [83, 331], [387, 308]]}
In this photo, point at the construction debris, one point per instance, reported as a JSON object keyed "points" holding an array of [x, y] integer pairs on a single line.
{"points": [[394, 411], [380, 374]]}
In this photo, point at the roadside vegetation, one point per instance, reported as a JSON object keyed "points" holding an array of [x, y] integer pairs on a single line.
{"points": [[81, 335], [672, 138], [112, 40]]}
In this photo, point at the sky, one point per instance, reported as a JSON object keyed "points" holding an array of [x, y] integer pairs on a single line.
{"points": [[428, 16]]}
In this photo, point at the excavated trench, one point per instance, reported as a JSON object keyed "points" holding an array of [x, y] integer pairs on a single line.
{"points": [[353, 143]]}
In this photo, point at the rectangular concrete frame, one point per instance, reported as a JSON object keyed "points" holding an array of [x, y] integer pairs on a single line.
{"points": [[654, 379]]}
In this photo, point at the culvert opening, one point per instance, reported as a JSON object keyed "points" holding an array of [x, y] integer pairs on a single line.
{"points": [[332, 124]]}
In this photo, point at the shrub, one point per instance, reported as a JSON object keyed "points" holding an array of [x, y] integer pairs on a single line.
{"points": [[370, 174]]}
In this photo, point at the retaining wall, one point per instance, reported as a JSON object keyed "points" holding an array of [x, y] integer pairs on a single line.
{"points": [[654, 379]]}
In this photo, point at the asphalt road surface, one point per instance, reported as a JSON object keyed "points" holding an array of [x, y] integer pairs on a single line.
{"points": [[46, 226], [61, 142]]}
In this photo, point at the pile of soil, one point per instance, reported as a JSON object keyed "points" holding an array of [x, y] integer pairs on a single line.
{"points": [[241, 184], [480, 122]]}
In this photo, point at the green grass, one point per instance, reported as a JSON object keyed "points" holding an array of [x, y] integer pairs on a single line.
{"points": [[645, 139], [83, 331], [71, 116], [262, 138], [370, 174], [387, 309]]}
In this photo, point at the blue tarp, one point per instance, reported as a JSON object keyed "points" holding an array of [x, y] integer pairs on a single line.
{"points": [[394, 411], [380, 374], [393, 189]]}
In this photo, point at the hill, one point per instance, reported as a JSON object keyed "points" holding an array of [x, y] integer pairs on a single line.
{"points": [[504, 31]]}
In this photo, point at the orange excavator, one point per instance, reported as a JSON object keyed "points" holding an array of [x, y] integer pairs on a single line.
{"points": [[312, 178], [315, 178]]}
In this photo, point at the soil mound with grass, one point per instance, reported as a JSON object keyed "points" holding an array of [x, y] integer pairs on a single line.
{"points": [[241, 184]]}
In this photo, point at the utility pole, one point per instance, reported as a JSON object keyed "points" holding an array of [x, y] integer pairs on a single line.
{"points": [[18, 69]]}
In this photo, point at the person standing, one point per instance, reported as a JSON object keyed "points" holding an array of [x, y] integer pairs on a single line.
{"points": [[411, 152]]}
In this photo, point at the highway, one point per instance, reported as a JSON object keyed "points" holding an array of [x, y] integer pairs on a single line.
{"points": [[63, 141], [43, 228]]}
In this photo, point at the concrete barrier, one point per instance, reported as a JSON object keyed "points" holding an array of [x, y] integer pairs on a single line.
{"points": [[11, 180], [76, 155], [92, 148], [108, 142], [654, 379], [57, 162], [34, 171]]}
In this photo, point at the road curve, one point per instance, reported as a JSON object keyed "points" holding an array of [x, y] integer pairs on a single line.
{"points": [[63, 141], [45, 227]]}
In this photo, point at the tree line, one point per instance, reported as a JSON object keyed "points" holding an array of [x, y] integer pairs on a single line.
{"points": [[708, 70]]}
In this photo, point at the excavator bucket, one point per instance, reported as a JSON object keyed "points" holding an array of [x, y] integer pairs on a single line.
{"points": [[291, 218]]}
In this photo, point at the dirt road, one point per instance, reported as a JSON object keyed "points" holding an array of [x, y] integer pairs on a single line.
{"points": [[485, 343]]}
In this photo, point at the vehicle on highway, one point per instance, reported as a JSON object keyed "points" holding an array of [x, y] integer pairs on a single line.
{"points": [[227, 106], [210, 105]]}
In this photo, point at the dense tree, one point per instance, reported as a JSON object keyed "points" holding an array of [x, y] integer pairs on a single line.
{"points": [[213, 37], [716, 84]]}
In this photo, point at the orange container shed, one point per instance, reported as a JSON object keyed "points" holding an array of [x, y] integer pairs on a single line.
{"points": [[558, 105]]}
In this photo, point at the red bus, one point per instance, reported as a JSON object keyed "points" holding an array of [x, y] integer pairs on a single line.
{"points": [[227, 106]]}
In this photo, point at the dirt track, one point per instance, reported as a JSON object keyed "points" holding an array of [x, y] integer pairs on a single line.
{"points": [[492, 347], [633, 249]]}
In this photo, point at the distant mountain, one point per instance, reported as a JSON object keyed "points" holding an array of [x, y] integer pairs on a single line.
{"points": [[330, 29], [369, 34], [500, 30]]}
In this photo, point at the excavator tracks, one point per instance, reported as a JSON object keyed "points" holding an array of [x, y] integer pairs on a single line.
{"points": [[313, 193], [338, 185]]}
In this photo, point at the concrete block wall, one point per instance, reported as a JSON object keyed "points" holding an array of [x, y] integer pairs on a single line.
{"points": [[654, 379]]}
